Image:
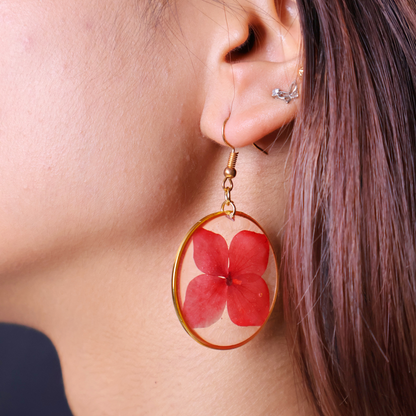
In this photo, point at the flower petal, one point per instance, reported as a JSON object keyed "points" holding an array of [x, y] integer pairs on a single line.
{"points": [[249, 253], [248, 300], [204, 301], [210, 253]]}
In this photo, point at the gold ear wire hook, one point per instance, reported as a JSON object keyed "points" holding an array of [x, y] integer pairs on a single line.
{"points": [[223, 134], [261, 150], [229, 171], [229, 174]]}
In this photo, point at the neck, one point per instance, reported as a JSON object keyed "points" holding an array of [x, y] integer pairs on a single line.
{"points": [[126, 352]]}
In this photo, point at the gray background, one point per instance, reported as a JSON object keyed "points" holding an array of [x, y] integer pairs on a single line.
{"points": [[30, 374]]}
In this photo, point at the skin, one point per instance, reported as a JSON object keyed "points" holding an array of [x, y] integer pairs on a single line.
{"points": [[110, 121]]}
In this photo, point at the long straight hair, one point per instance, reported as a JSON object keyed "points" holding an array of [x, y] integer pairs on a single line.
{"points": [[349, 264]]}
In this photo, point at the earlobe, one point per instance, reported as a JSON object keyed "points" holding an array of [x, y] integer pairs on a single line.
{"points": [[241, 88], [253, 111]]}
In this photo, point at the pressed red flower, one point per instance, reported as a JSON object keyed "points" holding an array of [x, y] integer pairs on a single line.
{"points": [[232, 277]]}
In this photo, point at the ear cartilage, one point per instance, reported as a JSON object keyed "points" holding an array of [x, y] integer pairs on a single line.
{"points": [[288, 96]]}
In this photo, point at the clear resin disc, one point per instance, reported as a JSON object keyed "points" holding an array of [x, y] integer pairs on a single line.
{"points": [[225, 280]]}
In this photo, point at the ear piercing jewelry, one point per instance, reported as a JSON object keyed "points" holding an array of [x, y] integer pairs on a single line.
{"points": [[225, 276], [283, 95], [290, 95], [261, 150]]}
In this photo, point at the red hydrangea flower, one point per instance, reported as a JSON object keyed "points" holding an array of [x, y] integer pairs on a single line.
{"points": [[231, 277]]}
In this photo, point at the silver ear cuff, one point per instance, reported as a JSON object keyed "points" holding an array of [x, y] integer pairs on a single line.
{"points": [[288, 96]]}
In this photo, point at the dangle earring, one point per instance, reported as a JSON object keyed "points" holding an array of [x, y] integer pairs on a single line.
{"points": [[225, 276]]}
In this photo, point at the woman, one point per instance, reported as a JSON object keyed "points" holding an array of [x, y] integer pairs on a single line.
{"points": [[110, 111]]}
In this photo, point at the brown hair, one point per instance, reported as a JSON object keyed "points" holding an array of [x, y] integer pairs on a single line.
{"points": [[349, 266]]}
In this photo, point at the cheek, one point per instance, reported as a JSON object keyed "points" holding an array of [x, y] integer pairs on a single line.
{"points": [[67, 94], [35, 108], [83, 150]]}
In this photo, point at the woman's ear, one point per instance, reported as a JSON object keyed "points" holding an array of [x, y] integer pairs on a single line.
{"points": [[255, 52]]}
